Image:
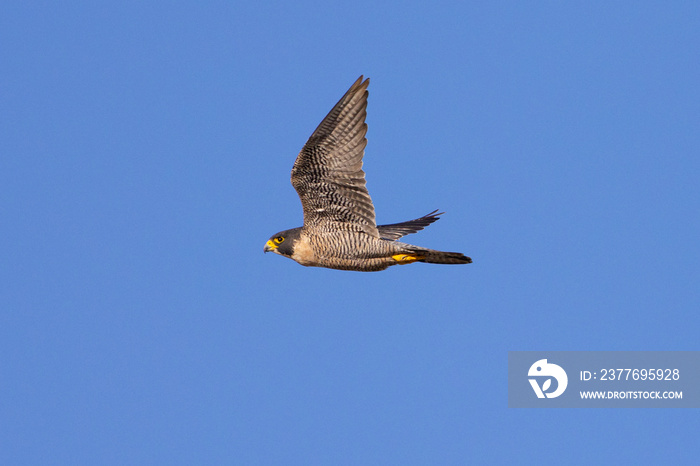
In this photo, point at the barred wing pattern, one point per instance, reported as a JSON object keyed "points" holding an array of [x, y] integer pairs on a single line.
{"points": [[328, 173]]}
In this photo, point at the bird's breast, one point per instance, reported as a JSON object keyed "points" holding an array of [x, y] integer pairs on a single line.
{"points": [[303, 252]]}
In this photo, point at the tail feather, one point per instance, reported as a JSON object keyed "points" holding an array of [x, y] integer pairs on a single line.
{"points": [[442, 257], [432, 256]]}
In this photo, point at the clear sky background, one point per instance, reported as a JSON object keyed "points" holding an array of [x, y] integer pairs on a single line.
{"points": [[145, 154]]}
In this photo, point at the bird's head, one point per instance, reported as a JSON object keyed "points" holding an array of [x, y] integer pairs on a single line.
{"points": [[282, 243]]}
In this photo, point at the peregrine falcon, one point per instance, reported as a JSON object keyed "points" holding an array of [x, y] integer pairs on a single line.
{"points": [[340, 231]]}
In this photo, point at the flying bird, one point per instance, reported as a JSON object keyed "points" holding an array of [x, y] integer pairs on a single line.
{"points": [[340, 231]]}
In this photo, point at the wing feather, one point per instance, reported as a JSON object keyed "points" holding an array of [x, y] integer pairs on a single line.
{"points": [[328, 173], [395, 231]]}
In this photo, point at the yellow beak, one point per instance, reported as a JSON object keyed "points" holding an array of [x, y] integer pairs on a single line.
{"points": [[270, 246]]}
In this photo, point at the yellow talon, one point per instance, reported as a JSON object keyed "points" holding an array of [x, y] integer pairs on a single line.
{"points": [[406, 258]]}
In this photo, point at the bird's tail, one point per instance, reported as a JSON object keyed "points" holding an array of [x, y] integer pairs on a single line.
{"points": [[440, 257], [432, 256]]}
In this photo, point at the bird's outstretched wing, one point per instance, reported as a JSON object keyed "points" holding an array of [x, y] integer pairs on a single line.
{"points": [[328, 174], [395, 231]]}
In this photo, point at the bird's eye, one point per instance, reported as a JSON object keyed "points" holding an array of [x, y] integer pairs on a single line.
{"points": [[279, 239]]}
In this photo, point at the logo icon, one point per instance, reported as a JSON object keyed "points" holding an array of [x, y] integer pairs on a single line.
{"points": [[542, 369]]}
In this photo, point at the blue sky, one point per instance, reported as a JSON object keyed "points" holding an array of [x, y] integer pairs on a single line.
{"points": [[146, 152]]}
